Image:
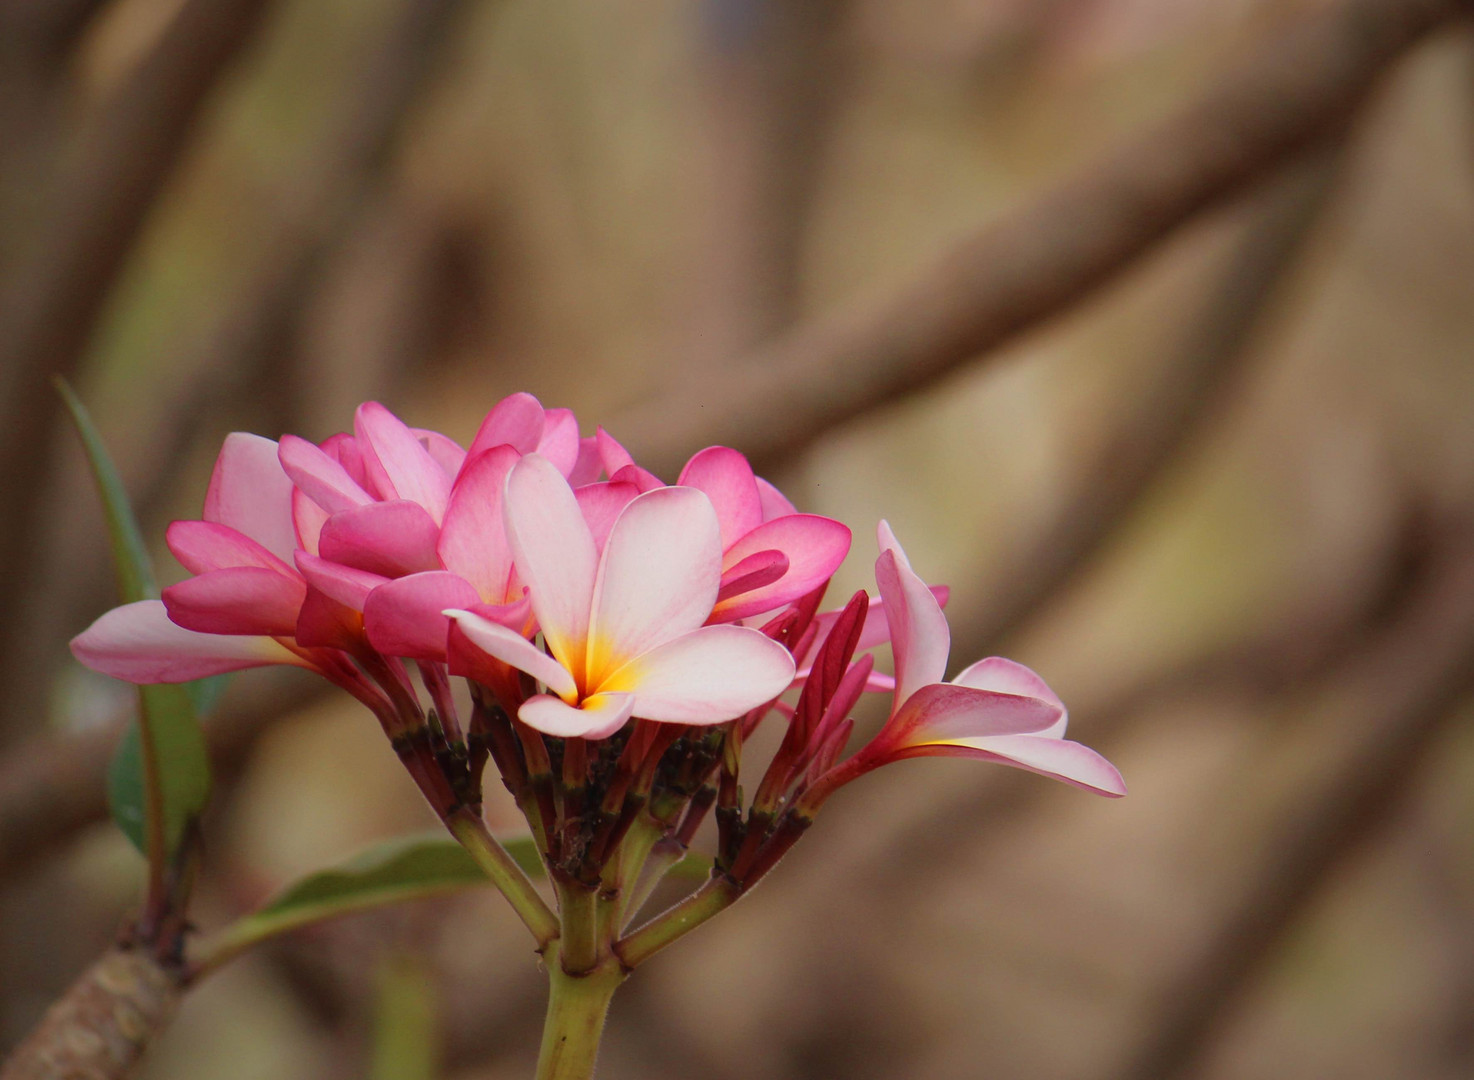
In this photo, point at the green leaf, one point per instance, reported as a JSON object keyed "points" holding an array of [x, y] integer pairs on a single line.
{"points": [[405, 868], [131, 563], [153, 795]]}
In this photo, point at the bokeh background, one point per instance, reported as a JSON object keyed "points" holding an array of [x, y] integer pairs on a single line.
{"points": [[1220, 502]]}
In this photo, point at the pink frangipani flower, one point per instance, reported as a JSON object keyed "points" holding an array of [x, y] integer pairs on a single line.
{"points": [[624, 626], [994, 710]]}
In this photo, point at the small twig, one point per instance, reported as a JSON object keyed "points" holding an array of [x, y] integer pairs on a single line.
{"points": [[1011, 275]]}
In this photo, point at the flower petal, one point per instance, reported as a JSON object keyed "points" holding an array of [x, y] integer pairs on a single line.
{"points": [[709, 676], [319, 476], [309, 518], [560, 442], [389, 538], [554, 553], [201, 546], [588, 466], [775, 503], [658, 577], [396, 463], [516, 421], [729, 483], [1060, 759], [250, 493], [138, 642], [944, 713], [758, 569], [405, 617], [444, 450], [814, 545], [611, 453], [344, 584], [597, 718], [920, 639], [1008, 677], [238, 600], [473, 539], [602, 504], [512, 648], [643, 479]]}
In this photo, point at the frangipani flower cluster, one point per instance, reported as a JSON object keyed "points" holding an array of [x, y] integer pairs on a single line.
{"points": [[621, 638]]}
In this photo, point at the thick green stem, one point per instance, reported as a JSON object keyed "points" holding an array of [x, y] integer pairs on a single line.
{"points": [[506, 875], [578, 906], [715, 896], [577, 1005]]}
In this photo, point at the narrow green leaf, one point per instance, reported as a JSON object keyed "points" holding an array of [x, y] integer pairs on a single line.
{"points": [[405, 868], [131, 563], [153, 795]]}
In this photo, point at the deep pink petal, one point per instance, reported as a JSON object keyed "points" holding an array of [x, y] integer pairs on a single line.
{"points": [[814, 546], [589, 465], [516, 421], [775, 503], [201, 546], [943, 712], [1008, 677], [729, 483], [326, 623], [319, 476], [758, 569], [560, 442], [597, 718], [1059, 759], [602, 504], [396, 463], [345, 585], [309, 518], [444, 450], [139, 643], [473, 539], [643, 479], [388, 538], [920, 639], [237, 600], [555, 554], [343, 448], [611, 453], [708, 676], [250, 493], [512, 648], [658, 577], [405, 617]]}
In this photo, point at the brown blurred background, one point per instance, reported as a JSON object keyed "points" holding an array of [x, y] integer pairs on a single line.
{"points": [[1216, 486]]}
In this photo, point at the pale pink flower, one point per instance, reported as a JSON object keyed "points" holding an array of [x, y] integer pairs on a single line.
{"points": [[994, 710], [771, 554], [624, 625]]}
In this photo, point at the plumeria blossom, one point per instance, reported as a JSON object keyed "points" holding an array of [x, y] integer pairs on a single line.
{"points": [[621, 638], [240, 608], [994, 710], [771, 554], [624, 626]]}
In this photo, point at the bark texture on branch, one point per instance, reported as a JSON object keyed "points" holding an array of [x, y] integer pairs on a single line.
{"points": [[1014, 273], [100, 1028]]}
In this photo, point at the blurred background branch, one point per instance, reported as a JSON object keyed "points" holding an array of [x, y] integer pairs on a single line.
{"points": [[1184, 423]]}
